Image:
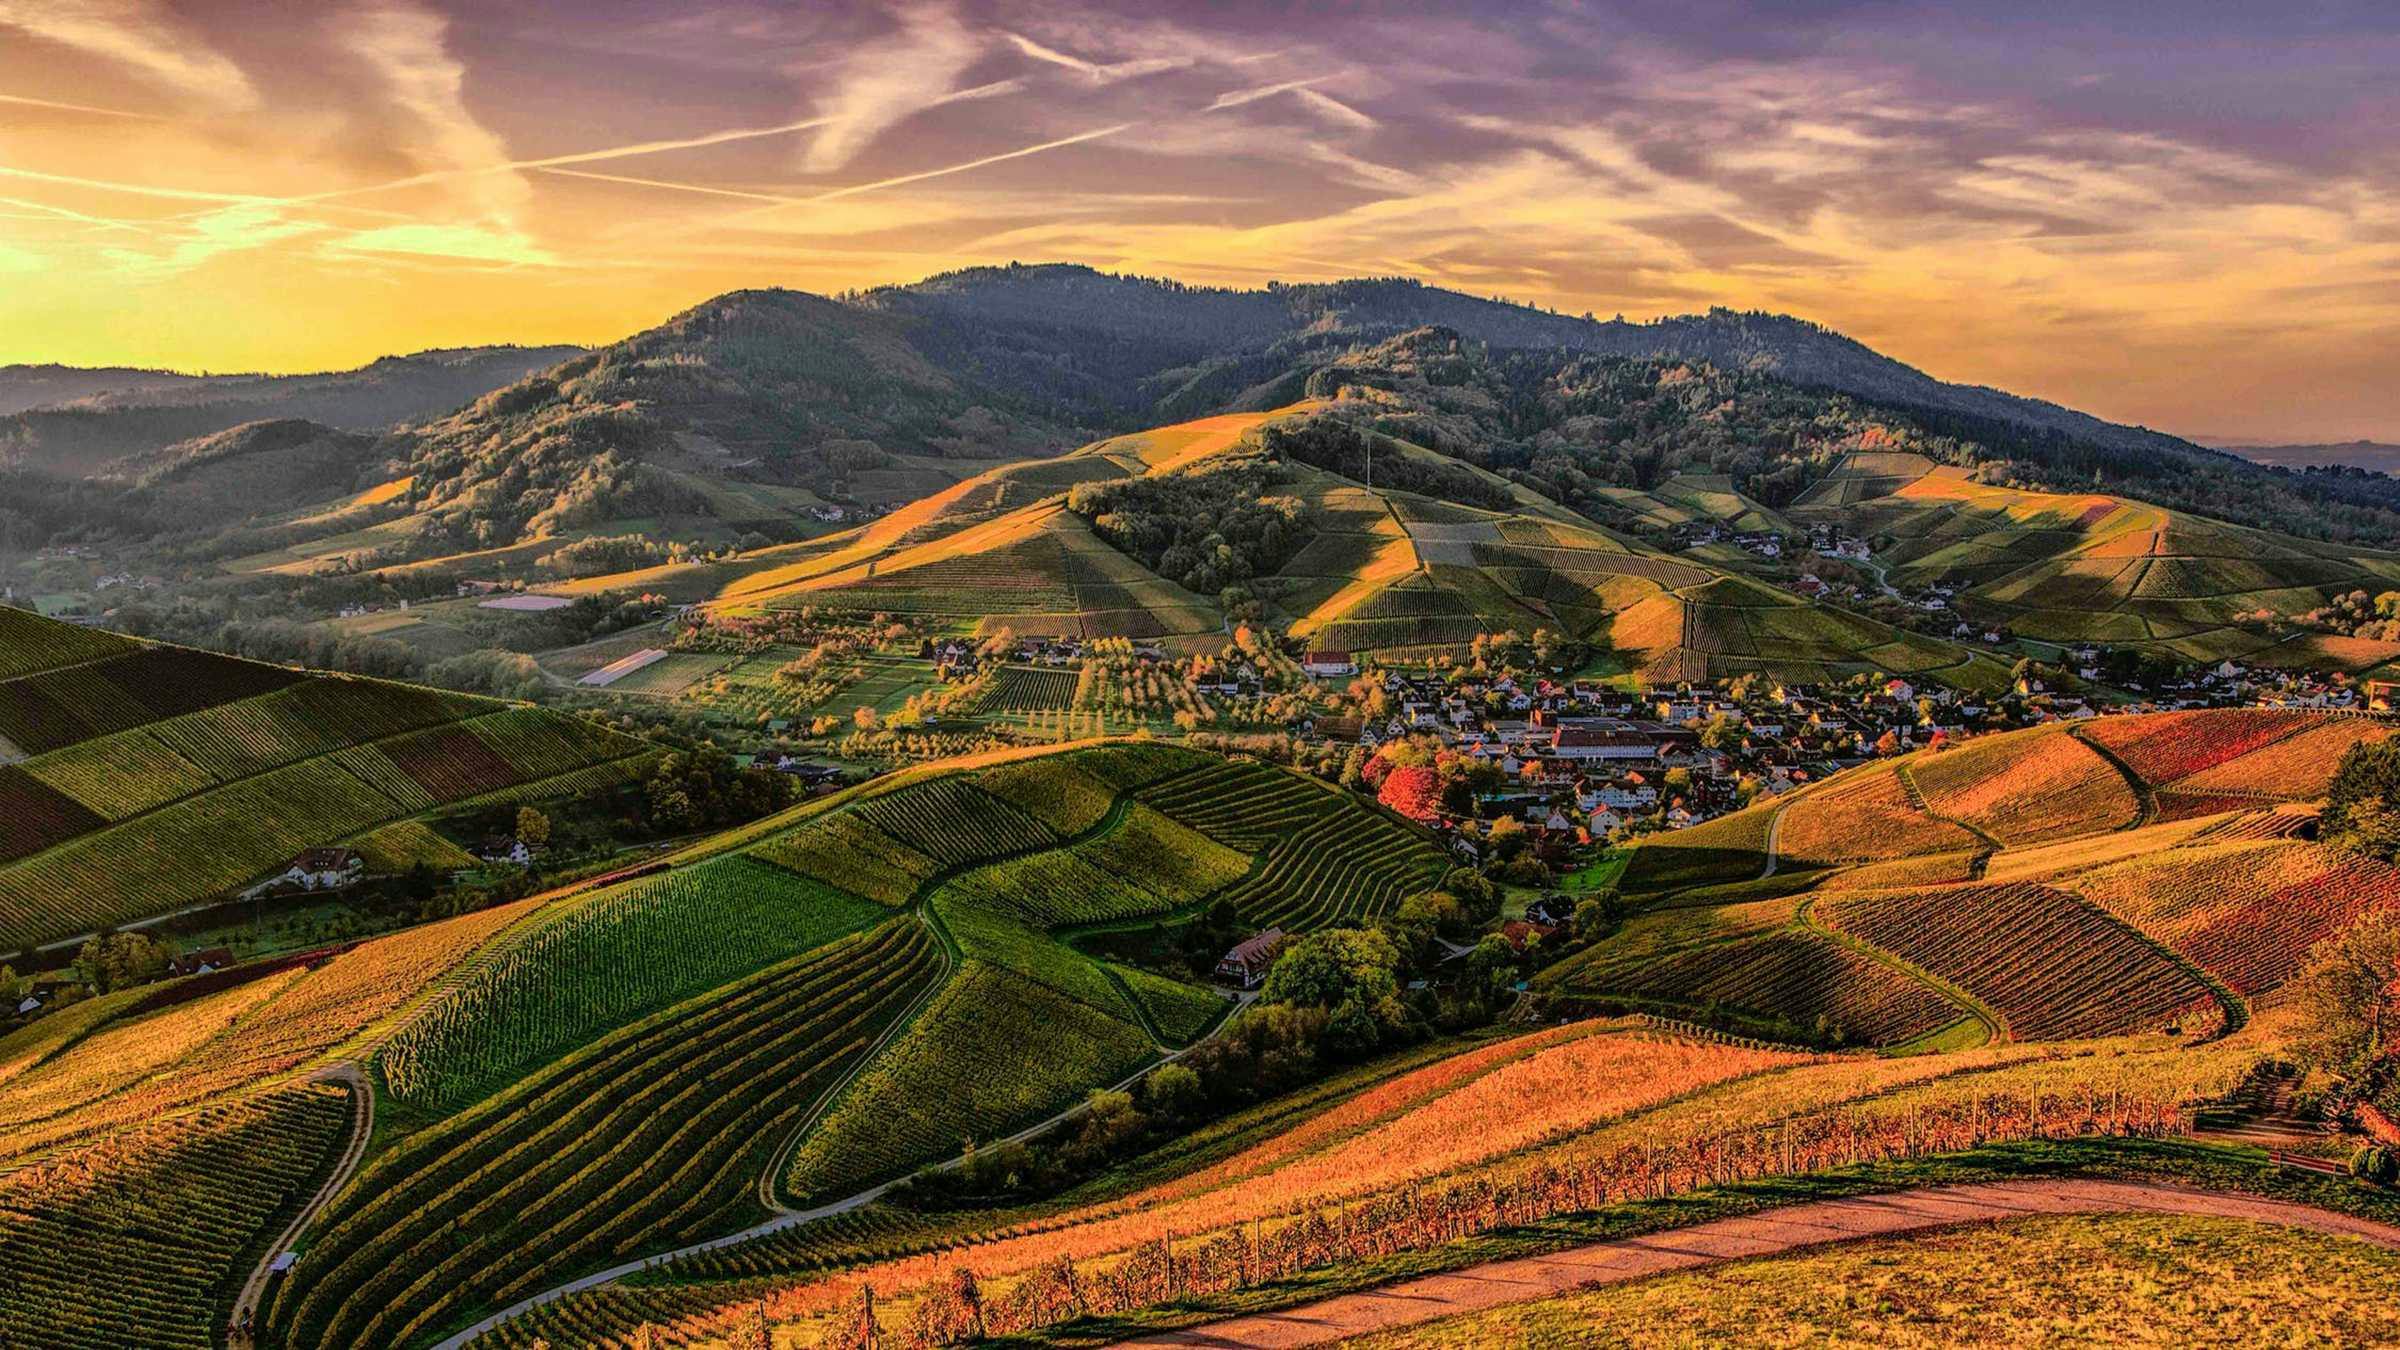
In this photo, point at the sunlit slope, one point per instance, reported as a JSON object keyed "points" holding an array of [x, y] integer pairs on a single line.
{"points": [[2061, 882], [2092, 567], [1383, 570], [147, 778]]}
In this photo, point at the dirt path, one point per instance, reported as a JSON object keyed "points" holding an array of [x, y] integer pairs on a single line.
{"points": [[1411, 1302], [362, 1123]]}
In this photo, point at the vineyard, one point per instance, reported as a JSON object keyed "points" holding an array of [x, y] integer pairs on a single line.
{"points": [[1813, 983], [2027, 787], [1868, 814], [656, 1134], [1024, 689], [158, 1218], [2166, 748], [2052, 966], [992, 1052], [1729, 848], [1347, 865], [2248, 912], [610, 958], [132, 1063], [953, 822], [200, 773]]}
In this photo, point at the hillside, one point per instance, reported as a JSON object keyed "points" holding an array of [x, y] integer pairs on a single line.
{"points": [[2071, 880], [802, 1007], [1403, 569], [139, 779], [70, 423], [2094, 567], [879, 397]]}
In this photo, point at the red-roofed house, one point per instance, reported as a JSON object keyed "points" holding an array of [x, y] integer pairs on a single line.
{"points": [[1327, 665]]}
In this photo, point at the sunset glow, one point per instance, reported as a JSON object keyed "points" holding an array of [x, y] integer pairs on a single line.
{"points": [[2192, 224]]}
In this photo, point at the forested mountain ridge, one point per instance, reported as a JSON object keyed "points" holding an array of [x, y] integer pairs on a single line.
{"points": [[785, 388]]}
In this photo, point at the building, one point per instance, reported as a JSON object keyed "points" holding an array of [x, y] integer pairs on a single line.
{"points": [[1327, 665], [1247, 964], [318, 869]]}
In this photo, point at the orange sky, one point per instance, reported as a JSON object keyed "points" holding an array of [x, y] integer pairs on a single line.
{"points": [[2196, 228]]}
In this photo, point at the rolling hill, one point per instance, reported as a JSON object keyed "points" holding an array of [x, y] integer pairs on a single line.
{"points": [[799, 1008], [1369, 569], [2068, 880], [2094, 567], [139, 779]]}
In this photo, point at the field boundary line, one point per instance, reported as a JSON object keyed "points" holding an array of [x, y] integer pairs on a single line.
{"points": [[2145, 795]]}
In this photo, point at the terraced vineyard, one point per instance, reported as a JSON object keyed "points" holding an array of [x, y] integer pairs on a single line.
{"points": [[655, 1134], [994, 1050], [611, 957], [189, 774], [1327, 860], [1810, 981], [2051, 965], [157, 1218]]}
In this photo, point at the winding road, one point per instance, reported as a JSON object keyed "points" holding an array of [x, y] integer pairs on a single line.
{"points": [[1770, 1233]]}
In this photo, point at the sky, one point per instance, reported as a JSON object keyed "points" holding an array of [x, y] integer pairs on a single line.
{"points": [[2184, 215]]}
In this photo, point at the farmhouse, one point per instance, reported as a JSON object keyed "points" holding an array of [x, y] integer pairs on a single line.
{"points": [[1327, 665], [1247, 964], [318, 869]]}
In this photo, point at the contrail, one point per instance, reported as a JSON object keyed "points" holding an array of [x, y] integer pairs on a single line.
{"points": [[24, 101], [857, 189]]}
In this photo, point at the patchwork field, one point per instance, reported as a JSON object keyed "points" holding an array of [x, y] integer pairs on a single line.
{"points": [[2088, 567], [179, 775], [2067, 881]]}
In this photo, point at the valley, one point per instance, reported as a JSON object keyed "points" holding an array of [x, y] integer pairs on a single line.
{"points": [[995, 809]]}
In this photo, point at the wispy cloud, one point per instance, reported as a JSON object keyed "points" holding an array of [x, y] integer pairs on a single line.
{"points": [[142, 34], [406, 46], [1242, 97], [883, 81]]}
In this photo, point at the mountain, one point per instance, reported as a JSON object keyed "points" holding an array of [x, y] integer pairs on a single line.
{"points": [[71, 422], [2373, 456], [882, 396], [1190, 324], [42, 386]]}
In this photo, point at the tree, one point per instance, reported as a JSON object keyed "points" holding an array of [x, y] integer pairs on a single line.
{"points": [[2362, 805], [121, 961], [1413, 790], [863, 717], [1887, 744], [2349, 1001], [533, 828], [1354, 974]]}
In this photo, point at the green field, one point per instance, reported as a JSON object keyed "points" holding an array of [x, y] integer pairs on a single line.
{"points": [[153, 799]]}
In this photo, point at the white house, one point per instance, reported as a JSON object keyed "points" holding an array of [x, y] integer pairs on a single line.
{"points": [[1328, 665]]}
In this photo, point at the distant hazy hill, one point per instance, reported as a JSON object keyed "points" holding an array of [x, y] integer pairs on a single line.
{"points": [[2377, 456], [71, 422], [23, 387]]}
